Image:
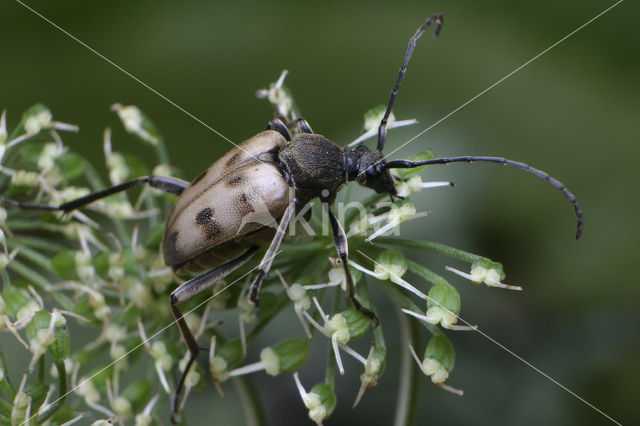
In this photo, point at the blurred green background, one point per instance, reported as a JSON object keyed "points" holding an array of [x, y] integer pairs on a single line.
{"points": [[574, 112]]}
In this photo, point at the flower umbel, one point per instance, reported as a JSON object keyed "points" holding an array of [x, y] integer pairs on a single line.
{"points": [[96, 269]]}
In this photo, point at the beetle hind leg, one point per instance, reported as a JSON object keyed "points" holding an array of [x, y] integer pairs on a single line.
{"points": [[186, 291]]}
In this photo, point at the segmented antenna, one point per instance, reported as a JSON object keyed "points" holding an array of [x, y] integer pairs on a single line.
{"points": [[404, 164], [382, 129]]}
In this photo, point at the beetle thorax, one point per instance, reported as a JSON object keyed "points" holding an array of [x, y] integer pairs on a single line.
{"points": [[314, 164]]}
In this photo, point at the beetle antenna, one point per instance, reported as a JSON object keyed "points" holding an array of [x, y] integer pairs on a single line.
{"points": [[404, 164], [382, 129]]}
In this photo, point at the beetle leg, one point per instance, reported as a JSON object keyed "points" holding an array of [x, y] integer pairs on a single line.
{"points": [[186, 291], [164, 183], [267, 260], [342, 247], [303, 126], [279, 127]]}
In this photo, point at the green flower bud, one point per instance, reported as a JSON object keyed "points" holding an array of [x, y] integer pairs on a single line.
{"points": [[138, 393], [324, 401], [445, 297], [14, 300], [390, 265], [122, 407], [441, 350], [357, 323], [285, 356], [36, 118]]}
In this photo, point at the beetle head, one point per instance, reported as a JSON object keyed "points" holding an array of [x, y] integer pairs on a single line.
{"points": [[368, 168]]}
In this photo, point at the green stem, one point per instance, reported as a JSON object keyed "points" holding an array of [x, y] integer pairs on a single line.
{"points": [[5, 279], [406, 370], [431, 246], [427, 274], [40, 282], [40, 244], [41, 369], [5, 383], [32, 255], [5, 407], [405, 302], [251, 407], [62, 393]]}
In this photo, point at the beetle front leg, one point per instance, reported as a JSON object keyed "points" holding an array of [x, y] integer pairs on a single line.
{"points": [[185, 292], [267, 260], [342, 247]]}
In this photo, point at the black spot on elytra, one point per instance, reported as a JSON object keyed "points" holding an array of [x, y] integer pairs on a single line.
{"points": [[170, 251], [205, 216], [210, 226], [244, 207], [235, 157], [235, 181], [199, 178]]}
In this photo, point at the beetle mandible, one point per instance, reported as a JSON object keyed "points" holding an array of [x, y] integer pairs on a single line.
{"points": [[205, 230]]}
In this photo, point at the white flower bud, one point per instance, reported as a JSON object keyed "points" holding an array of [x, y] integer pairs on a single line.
{"points": [[36, 122]]}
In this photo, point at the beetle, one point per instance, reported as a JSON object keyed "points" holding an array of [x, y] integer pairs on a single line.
{"points": [[205, 230]]}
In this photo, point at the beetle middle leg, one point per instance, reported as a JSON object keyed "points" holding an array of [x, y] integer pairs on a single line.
{"points": [[186, 291], [267, 260], [342, 247]]}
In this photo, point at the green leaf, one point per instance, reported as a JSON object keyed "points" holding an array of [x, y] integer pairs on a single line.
{"points": [[441, 349], [71, 165]]}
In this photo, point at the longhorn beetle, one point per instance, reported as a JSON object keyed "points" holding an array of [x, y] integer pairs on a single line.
{"points": [[205, 231]]}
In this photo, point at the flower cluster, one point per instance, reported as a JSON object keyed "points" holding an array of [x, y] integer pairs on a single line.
{"points": [[104, 272]]}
